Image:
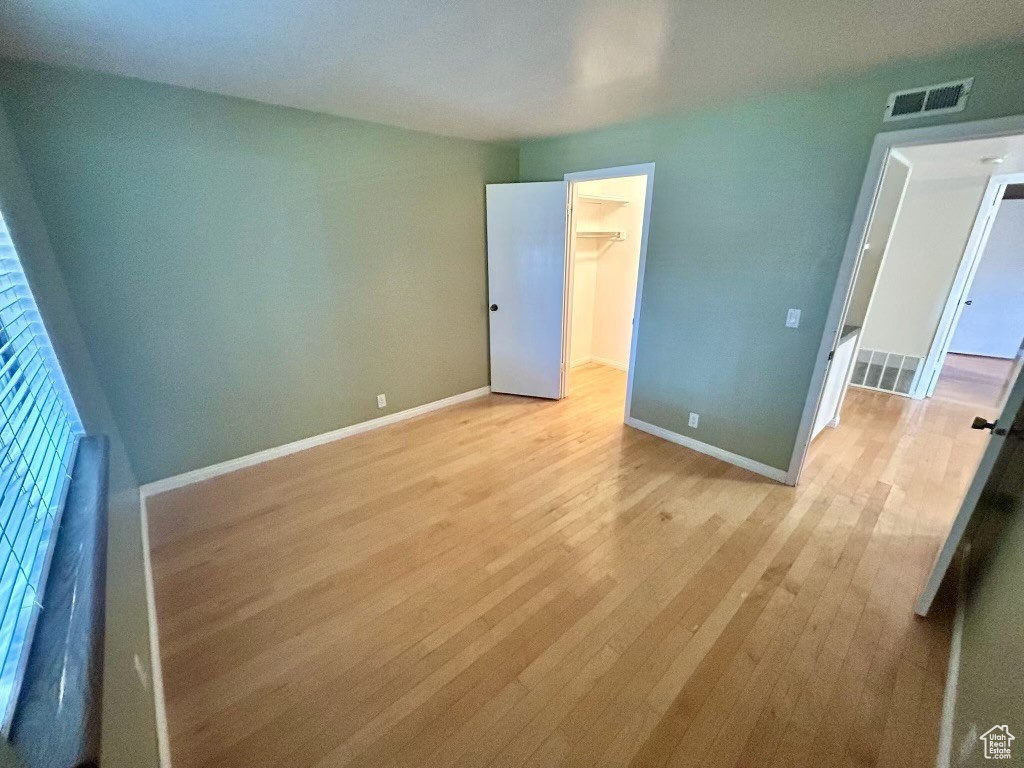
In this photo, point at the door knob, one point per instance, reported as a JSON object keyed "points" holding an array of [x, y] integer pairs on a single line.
{"points": [[494, 307], [980, 422]]}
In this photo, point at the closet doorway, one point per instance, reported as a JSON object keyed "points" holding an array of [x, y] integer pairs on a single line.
{"points": [[607, 245], [565, 270]]}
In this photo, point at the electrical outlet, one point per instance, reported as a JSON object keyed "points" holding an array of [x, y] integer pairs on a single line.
{"points": [[694, 419], [382, 401], [793, 318]]}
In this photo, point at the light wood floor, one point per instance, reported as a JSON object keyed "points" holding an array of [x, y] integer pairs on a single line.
{"points": [[974, 380], [517, 582]]}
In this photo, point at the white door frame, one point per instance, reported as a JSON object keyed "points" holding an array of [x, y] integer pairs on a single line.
{"points": [[968, 268], [894, 154], [883, 144], [641, 169]]}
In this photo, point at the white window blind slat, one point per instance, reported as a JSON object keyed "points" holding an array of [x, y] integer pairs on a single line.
{"points": [[39, 432], [20, 379], [15, 355], [18, 338], [25, 402]]}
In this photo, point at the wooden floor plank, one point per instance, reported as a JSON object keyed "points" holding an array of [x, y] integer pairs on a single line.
{"points": [[518, 582]]}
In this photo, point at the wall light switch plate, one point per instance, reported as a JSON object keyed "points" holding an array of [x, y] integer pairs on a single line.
{"points": [[793, 318], [694, 419], [382, 401]]}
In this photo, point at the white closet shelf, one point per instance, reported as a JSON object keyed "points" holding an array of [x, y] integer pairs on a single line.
{"points": [[604, 235], [603, 199]]}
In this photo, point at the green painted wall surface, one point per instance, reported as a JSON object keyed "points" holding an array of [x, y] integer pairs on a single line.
{"points": [[751, 209], [248, 275], [230, 276], [129, 736]]}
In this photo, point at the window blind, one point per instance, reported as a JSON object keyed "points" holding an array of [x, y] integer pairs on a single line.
{"points": [[39, 431]]}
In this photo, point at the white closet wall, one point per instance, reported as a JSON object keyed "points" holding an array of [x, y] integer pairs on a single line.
{"points": [[584, 286], [604, 281]]}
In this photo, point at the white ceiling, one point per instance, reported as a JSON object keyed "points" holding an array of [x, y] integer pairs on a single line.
{"points": [[494, 69], [963, 159]]}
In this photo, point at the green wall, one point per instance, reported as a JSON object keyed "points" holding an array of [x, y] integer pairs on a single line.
{"points": [[248, 275], [129, 736], [751, 209], [227, 276], [228, 258]]}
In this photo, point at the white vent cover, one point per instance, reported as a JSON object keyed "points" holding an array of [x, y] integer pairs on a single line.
{"points": [[886, 371], [929, 100]]}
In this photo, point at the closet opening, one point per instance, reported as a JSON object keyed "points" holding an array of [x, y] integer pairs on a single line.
{"points": [[607, 232]]}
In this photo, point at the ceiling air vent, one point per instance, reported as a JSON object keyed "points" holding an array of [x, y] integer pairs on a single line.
{"points": [[931, 100]]}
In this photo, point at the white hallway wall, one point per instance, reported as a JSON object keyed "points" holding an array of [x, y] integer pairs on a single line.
{"points": [[993, 324], [926, 249], [604, 281]]}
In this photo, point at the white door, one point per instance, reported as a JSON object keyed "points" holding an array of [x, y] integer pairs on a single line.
{"points": [[527, 228], [1001, 431], [992, 319], [836, 379], [976, 244]]}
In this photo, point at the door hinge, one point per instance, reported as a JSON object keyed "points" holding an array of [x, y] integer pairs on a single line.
{"points": [[831, 355]]}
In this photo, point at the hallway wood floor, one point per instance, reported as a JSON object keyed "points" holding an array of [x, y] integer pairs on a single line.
{"points": [[515, 582], [974, 380]]}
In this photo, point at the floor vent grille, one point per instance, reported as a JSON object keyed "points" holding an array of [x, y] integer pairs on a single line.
{"points": [[886, 371]]}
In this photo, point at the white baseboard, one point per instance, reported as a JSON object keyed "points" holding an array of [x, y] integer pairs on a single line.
{"points": [[231, 465], [599, 361], [163, 738], [757, 467], [205, 473], [945, 758], [609, 363]]}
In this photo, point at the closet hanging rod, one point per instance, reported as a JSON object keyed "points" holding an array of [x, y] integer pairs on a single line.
{"points": [[608, 235]]}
